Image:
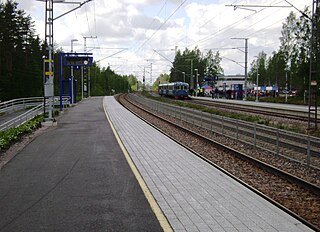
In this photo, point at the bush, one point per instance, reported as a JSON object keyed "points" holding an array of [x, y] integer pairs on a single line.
{"points": [[12, 135]]}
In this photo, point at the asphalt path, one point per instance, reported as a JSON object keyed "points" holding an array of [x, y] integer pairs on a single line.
{"points": [[8, 116], [74, 178]]}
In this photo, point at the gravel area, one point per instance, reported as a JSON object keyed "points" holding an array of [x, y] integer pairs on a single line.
{"points": [[300, 201]]}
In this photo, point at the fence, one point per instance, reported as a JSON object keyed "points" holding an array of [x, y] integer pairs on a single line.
{"points": [[298, 147], [36, 104]]}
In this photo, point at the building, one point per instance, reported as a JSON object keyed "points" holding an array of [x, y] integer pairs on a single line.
{"points": [[230, 81]]}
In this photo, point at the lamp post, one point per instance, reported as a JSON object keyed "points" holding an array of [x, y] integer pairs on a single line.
{"points": [[191, 73], [184, 76], [257, 81], [72, 88], [196, 70]]}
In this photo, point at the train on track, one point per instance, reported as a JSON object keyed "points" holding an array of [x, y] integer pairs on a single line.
{"points": [[179, 90]]}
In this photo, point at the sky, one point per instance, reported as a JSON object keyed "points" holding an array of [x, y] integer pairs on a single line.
{"points": [[133, 36]]}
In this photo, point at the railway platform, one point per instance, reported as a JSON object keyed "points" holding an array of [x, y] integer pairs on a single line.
{"points": [[73, 178], [192, 195], [262, 105], [78, 177]]}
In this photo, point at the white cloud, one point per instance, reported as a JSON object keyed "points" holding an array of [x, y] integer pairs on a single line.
{"points": [[134, 24]]}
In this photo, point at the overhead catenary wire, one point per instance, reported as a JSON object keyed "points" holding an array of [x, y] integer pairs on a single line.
{"points": [[222, 34], [250, 28], [230, 26], [148, 39]]}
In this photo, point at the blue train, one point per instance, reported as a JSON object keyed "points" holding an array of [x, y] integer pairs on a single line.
{"points": [[175, 89]]}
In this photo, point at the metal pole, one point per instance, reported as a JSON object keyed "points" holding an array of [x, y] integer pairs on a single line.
{"points": [[191, 75], [85, 67], [81, 82], [72, 88], [257, 98], [184, 76], [312, 70], [196, 81], [44, 80], [48, 85], [49, 73], [286, 98], [245, 67], [89, 80]]}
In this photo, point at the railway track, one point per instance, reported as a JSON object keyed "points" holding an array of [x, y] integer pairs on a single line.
{"points": [[301, 148], [294, 195], [279, 113]]}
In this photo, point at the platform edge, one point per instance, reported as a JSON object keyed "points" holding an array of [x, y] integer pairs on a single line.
{"points": [[164, 223]]}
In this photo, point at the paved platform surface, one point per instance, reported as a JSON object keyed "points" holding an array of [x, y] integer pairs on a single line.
{"points": [[193, 195], [293, 107], [74, 178]]}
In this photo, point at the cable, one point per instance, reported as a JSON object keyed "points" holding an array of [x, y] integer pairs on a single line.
{"points": [[249, 28], [148, 39], [131, 47]]}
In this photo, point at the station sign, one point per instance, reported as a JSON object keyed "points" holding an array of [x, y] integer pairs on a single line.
{"points": [[77, 59]]}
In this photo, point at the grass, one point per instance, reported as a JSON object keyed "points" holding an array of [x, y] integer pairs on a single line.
{"points": [[239, 116]]}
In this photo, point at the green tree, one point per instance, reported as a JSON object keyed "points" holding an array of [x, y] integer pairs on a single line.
{"points": [[276, 66], [213, 65], [261, 61], [20, 54], [295, 46], [163, 78], [187, 62]]}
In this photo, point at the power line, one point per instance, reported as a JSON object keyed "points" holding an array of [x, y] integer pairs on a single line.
{"points": [[147, 40]]}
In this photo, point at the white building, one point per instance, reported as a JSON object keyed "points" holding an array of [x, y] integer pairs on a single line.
{"points": [[231, 80]]}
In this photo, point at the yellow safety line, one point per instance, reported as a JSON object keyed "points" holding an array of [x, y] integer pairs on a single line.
{"points": [[154, 205]]}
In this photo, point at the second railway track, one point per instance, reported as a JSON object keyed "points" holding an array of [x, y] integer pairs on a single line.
{"points": [[294, 195], [253, 109]]}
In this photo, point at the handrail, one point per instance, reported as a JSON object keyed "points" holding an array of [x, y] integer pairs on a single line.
{"points": [[23, 103], [22, 118], [19, 103]]}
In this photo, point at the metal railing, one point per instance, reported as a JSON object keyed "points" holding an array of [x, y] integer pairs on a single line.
{"points": [[19, 104], [22, 118], [23, 103], [298, 147]]}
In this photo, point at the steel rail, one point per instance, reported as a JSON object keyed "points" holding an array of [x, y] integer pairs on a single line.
{"points": [[290, 114], [262, 165], [251, 133]]}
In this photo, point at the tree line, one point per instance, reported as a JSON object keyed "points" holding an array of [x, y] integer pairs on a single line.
{"points": [[190, 63], [290, 64], [20, 54], [21, 61], [22, 51]]}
